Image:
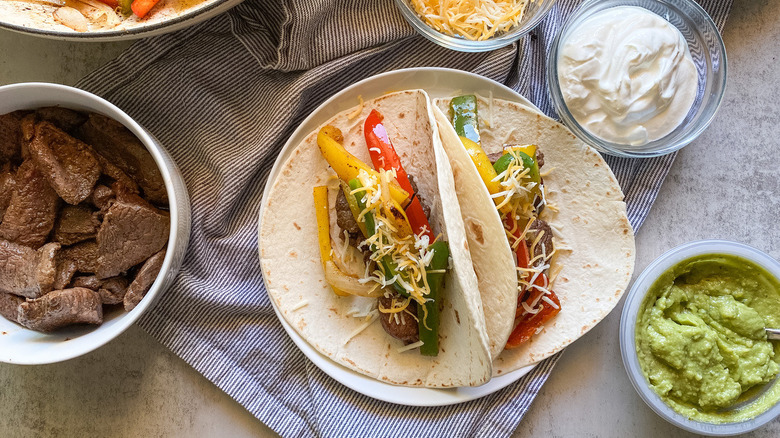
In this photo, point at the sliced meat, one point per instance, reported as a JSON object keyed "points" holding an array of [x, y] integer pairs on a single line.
{"points": [[143, 280], [344, 217], [68, 164], [115, 142], [31, 212], [111, 290], [61, 308], [10, 136], [402, 325], [131, 232], [6, 188], [66, 268], [88, 281], [9, 306], [25, 271], [75, 224], [545, 244], [63, 118], [84, 255], [28, 132], [539, 158], [101, 196], [121, 180]]}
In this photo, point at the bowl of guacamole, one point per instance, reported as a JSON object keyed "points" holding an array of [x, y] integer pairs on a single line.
{"points": [[693, 341]]}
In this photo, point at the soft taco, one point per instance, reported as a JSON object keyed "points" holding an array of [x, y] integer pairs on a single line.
{"points": [[354, 239], [559, 208]]}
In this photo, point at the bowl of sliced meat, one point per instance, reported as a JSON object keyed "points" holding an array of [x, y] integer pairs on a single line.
{"points": [[94, 222]]}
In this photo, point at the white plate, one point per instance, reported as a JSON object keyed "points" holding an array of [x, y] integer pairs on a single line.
{"points": [[437, 82]]}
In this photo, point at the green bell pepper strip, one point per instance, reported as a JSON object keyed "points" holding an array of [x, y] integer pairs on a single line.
{"points": [[429, 318], [389, 267], [124, 7], [463, 111], [503, 163]]}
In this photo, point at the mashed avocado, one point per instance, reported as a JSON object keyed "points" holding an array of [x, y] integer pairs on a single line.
{"points": [[701, 341]]}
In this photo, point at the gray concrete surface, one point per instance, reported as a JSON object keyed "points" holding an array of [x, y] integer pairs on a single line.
{"points": [[724, 185]]}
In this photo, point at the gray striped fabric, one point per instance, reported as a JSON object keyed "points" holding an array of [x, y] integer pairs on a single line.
{"points": [[223, 97]]}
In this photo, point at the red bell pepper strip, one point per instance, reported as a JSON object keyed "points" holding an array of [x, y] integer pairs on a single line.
{"points": [[383, 156], [523, 258], [530, 322], [112, 3], [382, 152], [142, 7]]}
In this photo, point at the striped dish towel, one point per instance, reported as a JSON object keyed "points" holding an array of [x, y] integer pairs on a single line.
{"points": [[223, 97]]}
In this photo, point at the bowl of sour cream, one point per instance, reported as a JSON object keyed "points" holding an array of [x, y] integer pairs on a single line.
{"points": [[637, 78]]}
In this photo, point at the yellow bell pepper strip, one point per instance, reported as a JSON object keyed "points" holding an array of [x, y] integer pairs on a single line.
{"points": [[323, 229], [428, 313], [389, 267], [348, 166], [463, 114], [341, 283]]}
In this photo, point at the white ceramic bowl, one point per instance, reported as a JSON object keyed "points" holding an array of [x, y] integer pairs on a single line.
{"points": [[35, 18], [22, 346], [628, 336]]}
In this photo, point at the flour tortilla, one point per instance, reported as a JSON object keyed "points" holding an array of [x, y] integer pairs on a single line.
{"points": [[594, 241], [291, 262]]}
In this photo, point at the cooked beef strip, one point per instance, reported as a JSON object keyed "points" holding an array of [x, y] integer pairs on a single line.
{"points": [[101, 196], [32, 210], [66, 268], [539, 158], [406, 329], [61, 308], [9, 306], [132, 231], [121, 180], [88, 281], [63, 118], [25, 271], [68, 164], [6, 188], [84, 255], [143, 280], [111, 290], [345, 219], [75, 224], [10, 136], [115, 142], [545, 243]]}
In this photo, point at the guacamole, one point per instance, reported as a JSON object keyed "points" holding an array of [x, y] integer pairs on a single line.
{"points": [[700, 338]]}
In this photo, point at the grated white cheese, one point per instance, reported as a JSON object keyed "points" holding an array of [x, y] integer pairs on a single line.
{"points": [[410, 346], [300, 305], [372, 316]]}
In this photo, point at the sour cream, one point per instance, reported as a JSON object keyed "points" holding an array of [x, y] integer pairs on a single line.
{"points": [[627, 75]]}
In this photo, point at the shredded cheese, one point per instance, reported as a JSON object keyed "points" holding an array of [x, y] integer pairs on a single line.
{"points": [[476, 20], [300, 305], [358, 110], [371, 317], [410, 346]]}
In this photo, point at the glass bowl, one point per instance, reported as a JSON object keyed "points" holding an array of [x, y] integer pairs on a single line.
{"points": [[709, 57], [534, 13], [628, 318]]}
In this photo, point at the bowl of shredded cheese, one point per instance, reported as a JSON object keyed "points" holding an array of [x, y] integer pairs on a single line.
{"points": [[474, 25]]}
